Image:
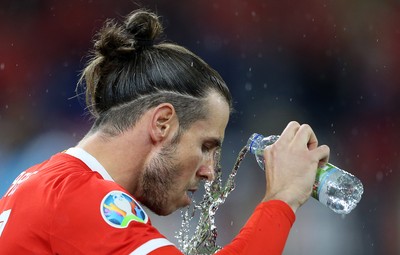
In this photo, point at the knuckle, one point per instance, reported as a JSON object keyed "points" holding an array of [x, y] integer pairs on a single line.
{"points": [[294, 123], [306, 127]]}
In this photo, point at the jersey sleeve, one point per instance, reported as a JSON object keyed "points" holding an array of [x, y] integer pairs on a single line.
{"points": [[265, 233]]}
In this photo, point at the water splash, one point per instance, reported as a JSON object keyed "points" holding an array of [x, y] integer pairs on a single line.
{"points": [[203, 241]]}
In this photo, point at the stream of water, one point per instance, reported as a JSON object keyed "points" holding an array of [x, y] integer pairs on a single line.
{"points": [[203, 241]]}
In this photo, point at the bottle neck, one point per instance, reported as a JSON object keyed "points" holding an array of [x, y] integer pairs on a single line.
{"points": [[254, 142]]}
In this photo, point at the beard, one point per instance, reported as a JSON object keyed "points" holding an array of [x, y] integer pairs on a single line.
{"points": [[158, 180]]}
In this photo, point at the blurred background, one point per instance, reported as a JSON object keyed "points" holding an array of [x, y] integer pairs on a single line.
{"points": [[332, 64]]}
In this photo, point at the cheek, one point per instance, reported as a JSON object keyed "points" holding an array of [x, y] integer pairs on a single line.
{"points": [[190, 158], [192, 163]]}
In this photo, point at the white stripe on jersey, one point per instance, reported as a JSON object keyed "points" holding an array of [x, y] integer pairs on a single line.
{"points": [[90, 161], [150, 246]]}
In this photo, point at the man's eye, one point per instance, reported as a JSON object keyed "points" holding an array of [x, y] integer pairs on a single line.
{"points": [[205, 148]]}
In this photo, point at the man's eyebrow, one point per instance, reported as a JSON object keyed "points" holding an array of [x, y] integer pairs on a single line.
{"points": [[216, 142]]}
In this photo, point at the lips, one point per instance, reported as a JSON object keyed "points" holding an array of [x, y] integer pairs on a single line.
{"points": [[190, 192]]}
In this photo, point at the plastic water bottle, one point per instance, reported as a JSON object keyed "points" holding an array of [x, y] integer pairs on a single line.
{"points": [[333, 187]]}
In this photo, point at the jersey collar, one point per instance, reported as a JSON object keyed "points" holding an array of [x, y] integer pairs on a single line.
{"points": [[90, 161]]}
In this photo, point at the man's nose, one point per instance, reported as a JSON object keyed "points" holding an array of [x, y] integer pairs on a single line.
{"points": [[206, 173]]}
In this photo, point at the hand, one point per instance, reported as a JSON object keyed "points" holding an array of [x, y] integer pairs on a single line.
{"points": [[291, 165]]}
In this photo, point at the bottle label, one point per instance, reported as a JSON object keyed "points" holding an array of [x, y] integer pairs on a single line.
{"points": [[323, 174]]}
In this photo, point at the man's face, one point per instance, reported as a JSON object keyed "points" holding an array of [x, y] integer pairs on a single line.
{"points": [[180, 165]]}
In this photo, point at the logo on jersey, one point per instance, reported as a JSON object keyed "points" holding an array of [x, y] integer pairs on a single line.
{"points": [[119, 209]]}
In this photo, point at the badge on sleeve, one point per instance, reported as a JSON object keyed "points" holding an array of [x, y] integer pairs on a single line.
{"points": [[118, 209]]}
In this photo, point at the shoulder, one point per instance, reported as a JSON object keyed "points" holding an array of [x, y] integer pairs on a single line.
{"points": [[63, 174], [101, 216]]}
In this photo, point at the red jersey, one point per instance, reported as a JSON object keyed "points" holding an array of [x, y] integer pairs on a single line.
{"points": [[69, 204]]}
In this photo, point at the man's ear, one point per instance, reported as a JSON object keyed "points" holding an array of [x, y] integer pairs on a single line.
{"points": [[164, 122]]}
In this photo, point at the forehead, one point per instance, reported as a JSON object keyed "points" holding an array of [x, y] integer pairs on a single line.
{"points": [[213, 126]]}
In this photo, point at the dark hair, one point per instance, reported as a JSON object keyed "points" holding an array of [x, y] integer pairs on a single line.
{"points": [[129, 74]]}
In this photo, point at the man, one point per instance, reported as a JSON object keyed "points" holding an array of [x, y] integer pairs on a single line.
{"points": [[160, 115]]}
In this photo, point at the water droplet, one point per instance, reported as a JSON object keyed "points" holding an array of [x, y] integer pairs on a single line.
{"points": [[2, 66], [248, 86]]}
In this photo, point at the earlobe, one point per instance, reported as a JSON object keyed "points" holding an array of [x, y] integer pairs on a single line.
{"points": [[163, 122]]}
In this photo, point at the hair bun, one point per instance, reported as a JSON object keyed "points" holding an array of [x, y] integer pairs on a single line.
{"points": [[144, 27]]}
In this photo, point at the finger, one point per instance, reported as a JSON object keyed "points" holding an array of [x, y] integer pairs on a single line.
{"points": [[322, 154], [290, 131], [306, 136], [313, 142]]}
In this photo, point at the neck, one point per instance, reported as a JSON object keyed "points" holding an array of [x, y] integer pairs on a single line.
{"points": [[123, 156]]}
